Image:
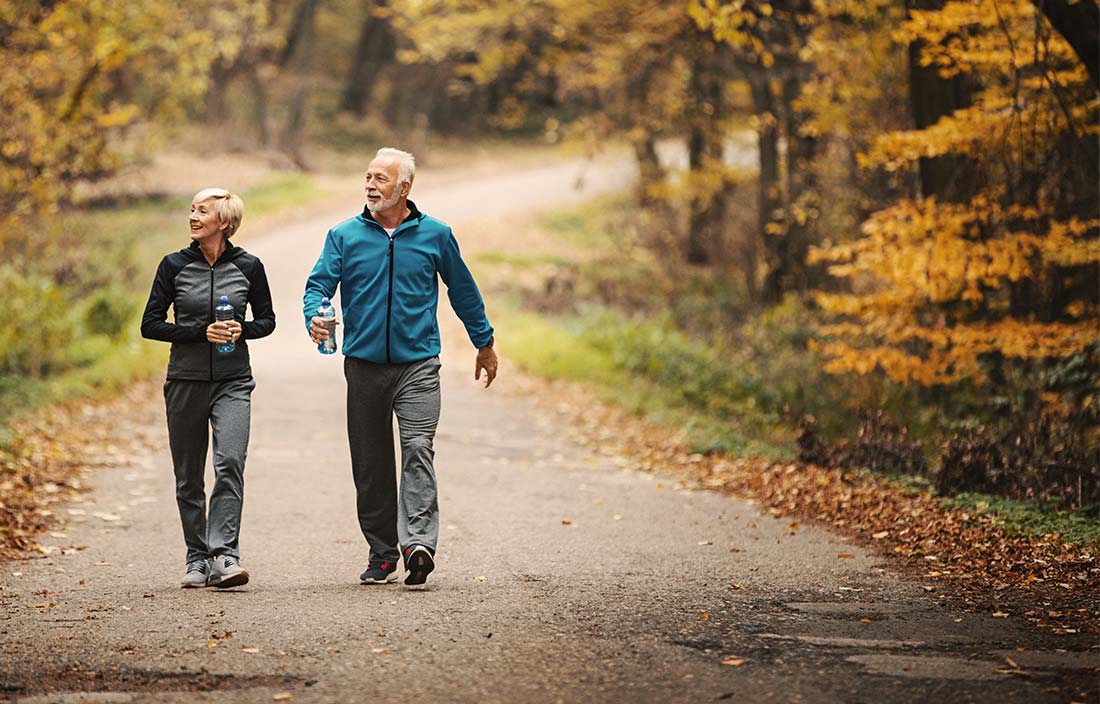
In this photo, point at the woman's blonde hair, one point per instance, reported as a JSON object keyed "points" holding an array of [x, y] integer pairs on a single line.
{"points": [[227, 206]]}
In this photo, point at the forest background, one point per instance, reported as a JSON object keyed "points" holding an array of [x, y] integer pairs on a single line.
{"points": [[903, 279]]}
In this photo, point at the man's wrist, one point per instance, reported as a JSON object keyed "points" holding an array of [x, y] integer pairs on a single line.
{"points": [[489, 344]]}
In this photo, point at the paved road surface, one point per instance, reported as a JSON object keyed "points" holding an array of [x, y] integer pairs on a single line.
{"points": [[630, 602]]}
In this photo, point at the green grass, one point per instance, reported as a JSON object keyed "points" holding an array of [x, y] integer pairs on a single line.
{"points": [[591, 224], [633, 364], [1029, 519], [516, 261]]}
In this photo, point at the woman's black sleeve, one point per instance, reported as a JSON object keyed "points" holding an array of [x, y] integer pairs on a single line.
{"points": [[259, 298]]}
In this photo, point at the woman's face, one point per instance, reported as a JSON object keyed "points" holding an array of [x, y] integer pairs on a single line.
{"points": [[204, 221]]}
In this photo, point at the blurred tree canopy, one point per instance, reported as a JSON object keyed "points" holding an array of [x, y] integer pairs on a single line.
{"points": [[76, 73]]}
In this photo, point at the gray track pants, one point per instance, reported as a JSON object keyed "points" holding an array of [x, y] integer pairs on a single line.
{"points": [[376, 393], [194, 407]]}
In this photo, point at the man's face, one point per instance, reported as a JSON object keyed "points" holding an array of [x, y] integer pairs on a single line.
{"points": [[382, 186]]}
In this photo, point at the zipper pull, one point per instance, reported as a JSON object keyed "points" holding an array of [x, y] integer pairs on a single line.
{"points": [[389, 252]]}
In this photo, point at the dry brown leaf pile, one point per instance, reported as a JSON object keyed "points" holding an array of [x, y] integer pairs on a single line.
{"points": [[55, 448]]}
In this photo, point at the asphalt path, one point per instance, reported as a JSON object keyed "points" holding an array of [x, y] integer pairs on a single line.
{"points": [[564, 574]]}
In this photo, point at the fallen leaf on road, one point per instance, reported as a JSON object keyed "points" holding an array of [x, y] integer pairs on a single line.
{"points": [[1000, 614], [617, 517], [566, 522], [881, 534], [737, 585], [598, 502], [843, 555], [1011, 662], [706, 542], [704, 615], [660, 485], [736, 662], [792, 526], [480, 578], [380, 650], [250, 650], [127, 608], [211, 644], [866, 620], [282, 697]]}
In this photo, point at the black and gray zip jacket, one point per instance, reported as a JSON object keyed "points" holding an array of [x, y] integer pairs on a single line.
{"points": [[192, 287]]}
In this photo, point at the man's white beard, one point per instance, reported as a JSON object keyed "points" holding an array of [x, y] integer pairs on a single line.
{"points": [[383, 204]]}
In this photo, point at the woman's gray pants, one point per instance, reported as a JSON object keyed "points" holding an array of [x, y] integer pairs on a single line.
{"points": [[194, 408], [376, 393]]}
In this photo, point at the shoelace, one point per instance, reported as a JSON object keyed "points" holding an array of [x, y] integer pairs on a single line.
{"points": [[197, 566]]}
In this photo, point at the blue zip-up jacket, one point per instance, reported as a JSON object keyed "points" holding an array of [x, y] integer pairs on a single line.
{"points": [[389, 290]]}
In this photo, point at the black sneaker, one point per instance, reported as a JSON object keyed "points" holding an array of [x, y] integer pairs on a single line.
{"points": [[418, 564], [379, 573]]}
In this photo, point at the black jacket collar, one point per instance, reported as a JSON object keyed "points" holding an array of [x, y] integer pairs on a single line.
{"points": [[231, 251]]}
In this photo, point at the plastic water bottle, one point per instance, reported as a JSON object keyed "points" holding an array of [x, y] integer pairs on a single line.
{"points": [[327, 311], [224, 311]]}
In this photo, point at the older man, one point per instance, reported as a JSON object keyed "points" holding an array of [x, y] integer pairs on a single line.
{"points": [[386, 263]]}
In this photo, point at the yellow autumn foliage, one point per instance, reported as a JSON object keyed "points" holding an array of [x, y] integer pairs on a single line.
{"points": [[936, 290], [77, 73]]}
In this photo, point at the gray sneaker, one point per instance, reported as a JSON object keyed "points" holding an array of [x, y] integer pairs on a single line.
{"points": [[198, 571], [226, 571]]}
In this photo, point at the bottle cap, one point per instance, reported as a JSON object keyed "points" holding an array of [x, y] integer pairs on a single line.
{"points": [[225, 300]]}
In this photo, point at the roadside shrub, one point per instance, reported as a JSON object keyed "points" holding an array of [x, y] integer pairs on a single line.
{"points": [[879, 445], [1044, 459], [109, 311], [35, 325]]}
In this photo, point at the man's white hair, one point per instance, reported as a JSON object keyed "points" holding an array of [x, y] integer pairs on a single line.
{"points": [[406, 163]]}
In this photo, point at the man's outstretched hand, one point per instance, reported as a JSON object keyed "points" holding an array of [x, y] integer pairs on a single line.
{"points": [[487, 360]]}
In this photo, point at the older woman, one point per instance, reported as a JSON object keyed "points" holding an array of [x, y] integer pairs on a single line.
{"points": [[207, 387]]}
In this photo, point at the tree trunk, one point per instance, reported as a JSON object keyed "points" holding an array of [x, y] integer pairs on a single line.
{"points": [[705, 143], [650, 171], [769, 198], [217, 109], [298, 56], [948, 178], [375, 50], [790, 273], [260, 107]]}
